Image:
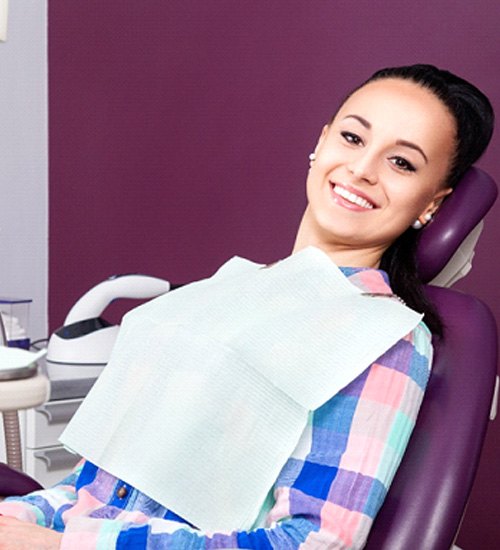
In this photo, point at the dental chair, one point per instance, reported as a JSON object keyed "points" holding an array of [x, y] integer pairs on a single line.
{"points": [[426, 502], [427, 499]]}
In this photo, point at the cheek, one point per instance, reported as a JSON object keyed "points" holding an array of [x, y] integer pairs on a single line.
{"points": [[310, 184], [314, 180], [413, 200]]}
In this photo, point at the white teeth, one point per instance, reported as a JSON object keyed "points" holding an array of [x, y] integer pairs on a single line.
{"points": [[351, 197]]}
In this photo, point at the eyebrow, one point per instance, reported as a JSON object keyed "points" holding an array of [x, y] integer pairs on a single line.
{"points": [[360, 119], [412, 146], [402, 142]]}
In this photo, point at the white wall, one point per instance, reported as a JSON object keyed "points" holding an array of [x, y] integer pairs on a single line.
{"points": [[24, 160]]}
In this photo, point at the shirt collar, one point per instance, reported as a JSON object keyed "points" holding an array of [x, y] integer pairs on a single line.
{"points": [[368, 279]]}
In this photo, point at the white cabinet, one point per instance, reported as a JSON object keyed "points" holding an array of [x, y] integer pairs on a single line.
{"points": [[45, 424], [49, 465], [44, 458]]}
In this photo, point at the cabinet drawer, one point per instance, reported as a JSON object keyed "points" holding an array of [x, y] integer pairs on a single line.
{"points": [[45, 424], [50, 465]]}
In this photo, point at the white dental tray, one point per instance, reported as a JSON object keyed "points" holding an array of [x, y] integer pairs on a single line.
{"points": [[18, 363]]}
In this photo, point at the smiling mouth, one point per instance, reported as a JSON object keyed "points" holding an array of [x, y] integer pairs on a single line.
{"points": [[352, 197]]}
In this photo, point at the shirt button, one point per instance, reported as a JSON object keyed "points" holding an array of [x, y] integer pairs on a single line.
{"points": [[122, 492]]}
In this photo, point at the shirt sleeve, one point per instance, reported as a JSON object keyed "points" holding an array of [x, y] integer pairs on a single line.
{"points": [[330, 489], [45, 507]]}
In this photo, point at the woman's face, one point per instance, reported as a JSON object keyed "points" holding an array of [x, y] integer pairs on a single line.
{"points": [[380, 165]]}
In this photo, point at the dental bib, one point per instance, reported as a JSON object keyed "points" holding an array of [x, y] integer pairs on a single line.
{"points": [[209, 387]]}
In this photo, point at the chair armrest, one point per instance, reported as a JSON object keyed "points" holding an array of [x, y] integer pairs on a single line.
{"points": [[13, 482]]}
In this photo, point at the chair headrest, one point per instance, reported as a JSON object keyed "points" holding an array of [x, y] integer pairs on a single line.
{"points": [[460, 213]]}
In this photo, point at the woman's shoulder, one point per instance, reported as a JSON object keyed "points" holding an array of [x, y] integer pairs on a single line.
{"points": [[421, 339]]}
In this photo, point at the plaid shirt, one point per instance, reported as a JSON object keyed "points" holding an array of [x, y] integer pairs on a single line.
{"points": [[326, 495]]}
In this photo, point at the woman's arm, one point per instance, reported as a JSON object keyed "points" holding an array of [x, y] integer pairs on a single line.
{"points": [[329, 491], [20, 535]]}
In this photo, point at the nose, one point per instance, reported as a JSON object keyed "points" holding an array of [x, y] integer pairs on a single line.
{"points": [[363, 168]]}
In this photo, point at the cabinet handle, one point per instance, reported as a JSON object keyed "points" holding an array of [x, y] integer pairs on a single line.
{"points": [[57, 413], [57, 459]]}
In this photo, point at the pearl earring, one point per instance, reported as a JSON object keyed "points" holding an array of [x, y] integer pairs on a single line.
{"points": [[312, 157], [417, 224]]}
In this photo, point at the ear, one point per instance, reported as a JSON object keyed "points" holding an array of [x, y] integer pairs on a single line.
{"points": [[434, 205]]}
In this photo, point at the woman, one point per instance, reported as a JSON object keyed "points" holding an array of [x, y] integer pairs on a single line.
{"points": [[379, 172]]}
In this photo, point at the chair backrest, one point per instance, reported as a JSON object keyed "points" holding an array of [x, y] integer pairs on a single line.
{"points": [[427, 499], [459, 215]]}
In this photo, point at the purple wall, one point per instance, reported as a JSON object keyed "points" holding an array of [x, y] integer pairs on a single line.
{"points": [[179, 134]]}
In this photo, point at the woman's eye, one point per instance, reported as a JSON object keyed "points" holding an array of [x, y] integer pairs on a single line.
{"points": [[403, 164], [351, 138]]}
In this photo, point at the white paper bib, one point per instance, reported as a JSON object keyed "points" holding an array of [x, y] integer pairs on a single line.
{"points": [[209, 387]]}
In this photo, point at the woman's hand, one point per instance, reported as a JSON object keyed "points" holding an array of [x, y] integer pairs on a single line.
{"points": [[19, 535]]}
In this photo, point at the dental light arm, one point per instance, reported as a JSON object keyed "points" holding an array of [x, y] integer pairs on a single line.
{"points": [[95, 301], [87, 339]]}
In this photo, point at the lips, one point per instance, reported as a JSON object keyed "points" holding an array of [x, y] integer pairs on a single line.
{"points": [[351, 197]]}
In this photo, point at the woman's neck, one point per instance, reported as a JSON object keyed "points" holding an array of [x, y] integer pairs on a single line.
{"points": [[341, 254]]}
